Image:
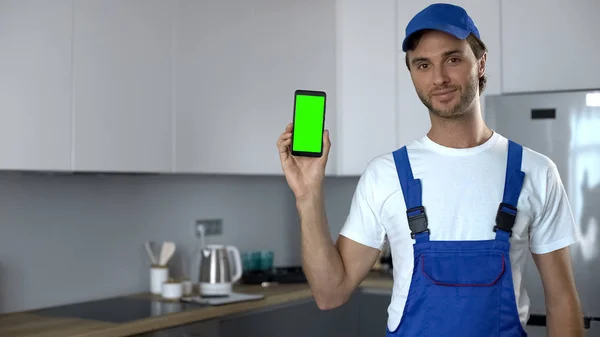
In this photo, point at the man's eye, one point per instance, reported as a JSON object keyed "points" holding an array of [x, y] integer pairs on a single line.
{"points": [[423, 66]]}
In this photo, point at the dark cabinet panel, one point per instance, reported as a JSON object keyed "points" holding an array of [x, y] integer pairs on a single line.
{"points": [[208, 328], [299, 319], [373, 312]]}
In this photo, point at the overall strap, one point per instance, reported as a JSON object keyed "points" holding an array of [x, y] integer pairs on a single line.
{"points": [[507, 211], [411, 189]]}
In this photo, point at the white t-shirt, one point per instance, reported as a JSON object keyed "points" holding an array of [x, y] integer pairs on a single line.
{"points": [[462, 189]]}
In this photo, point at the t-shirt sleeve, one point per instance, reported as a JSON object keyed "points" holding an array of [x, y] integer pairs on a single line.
{"points": [[363, 224], [554, 228]]}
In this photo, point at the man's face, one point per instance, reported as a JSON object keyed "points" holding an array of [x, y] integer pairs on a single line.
{"points": [[445, 73]]}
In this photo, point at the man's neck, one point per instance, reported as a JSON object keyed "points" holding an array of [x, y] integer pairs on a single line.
{"points": [[468, 130]]}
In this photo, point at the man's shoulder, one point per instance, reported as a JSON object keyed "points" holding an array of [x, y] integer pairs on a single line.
{"points": [[380, 166], [535, 161], [537, 165], [385, 163]]}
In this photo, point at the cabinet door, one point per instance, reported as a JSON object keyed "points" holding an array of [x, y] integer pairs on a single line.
{"points": [[550, 45], [537, 331], [366, 82], [413, 117], [373, 312], [237, 65], [35, 85], [122, 86], [208, 328]]}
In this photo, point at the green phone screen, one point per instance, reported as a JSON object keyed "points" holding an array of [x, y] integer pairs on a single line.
{"points": [[308, 123]]}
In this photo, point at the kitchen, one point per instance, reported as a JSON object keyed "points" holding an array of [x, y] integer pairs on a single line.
{"points": [[127, 121]]}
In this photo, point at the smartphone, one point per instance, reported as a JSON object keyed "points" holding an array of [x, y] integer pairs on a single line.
{"points": [[309, 123]]}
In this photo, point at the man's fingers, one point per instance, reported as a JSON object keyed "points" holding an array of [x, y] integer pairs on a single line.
{"points": [[284, 141], [284, 145], [326, 144], [285, 137]]}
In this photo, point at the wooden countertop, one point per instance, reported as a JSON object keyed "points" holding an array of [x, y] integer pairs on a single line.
{"points": [[28, 324]]}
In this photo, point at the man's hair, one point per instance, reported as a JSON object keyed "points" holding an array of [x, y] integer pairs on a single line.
{"points": [[477, 46]]}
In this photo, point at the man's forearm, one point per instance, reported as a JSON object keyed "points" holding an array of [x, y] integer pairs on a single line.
{"points": [[321, 260], [565, 318]]}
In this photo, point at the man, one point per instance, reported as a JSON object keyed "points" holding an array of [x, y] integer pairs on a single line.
{"points": [[460, 207]]}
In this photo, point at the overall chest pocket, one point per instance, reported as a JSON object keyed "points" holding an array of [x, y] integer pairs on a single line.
{"points": [[463, 269]]}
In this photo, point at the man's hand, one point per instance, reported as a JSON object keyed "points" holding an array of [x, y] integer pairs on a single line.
{"points": [[304, 174], [564, 316]]}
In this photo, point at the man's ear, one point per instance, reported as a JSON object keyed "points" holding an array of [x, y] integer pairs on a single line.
{"points": [[482, 64]]}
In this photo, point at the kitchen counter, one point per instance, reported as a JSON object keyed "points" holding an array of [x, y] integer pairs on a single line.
{"points": [[28, 324]]}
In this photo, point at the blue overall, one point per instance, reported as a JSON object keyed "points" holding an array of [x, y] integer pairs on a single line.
{"points": [[461, 288]]}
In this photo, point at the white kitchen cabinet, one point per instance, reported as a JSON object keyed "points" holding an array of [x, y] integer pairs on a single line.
{"points": [[366, 82], [412, 116], [237, 65], [550, 45], [122, 86], [35, 85]]}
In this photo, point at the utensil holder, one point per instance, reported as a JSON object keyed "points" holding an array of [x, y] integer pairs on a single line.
{"points": [[158, 276]]}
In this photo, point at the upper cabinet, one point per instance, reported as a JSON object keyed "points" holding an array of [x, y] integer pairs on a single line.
{"points": [[207, 87], [366, 83], [237, 65], [412, 116], [122, 86], [35, 85], [550, 45]]}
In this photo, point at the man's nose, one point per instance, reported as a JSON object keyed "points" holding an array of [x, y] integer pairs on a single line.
{"points": [[440, 76]]}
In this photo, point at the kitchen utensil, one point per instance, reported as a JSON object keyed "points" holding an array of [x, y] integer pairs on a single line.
{"points": [[248, 263], [148, 245], [158, 276], [257, 260], [197, 255], [266, 260], [168, 248], [216, 278]]}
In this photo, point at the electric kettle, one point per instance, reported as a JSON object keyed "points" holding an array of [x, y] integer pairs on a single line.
{"points": [[220, 267]]}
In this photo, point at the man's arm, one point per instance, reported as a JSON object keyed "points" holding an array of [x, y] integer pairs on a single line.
{"points": [[333, 271], [564, 316]]}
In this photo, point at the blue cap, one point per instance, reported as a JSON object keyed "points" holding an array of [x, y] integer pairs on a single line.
{"points": [[447, 18]]}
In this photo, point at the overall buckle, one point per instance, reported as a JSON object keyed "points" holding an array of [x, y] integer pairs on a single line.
{"points": [[417, 222], [505, 220]]}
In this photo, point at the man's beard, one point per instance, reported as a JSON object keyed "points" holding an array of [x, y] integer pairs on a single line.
{"points": [[466, 98]]}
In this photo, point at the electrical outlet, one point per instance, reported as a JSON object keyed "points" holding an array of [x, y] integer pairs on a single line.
{"points": [[211, 226]]}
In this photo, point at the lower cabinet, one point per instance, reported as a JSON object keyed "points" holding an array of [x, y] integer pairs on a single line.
{"points": [[372, 311], [208, 328], [297, 319], [364, 315]]}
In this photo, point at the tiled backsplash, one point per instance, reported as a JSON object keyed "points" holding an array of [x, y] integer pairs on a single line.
{"points": [[66, 238]]}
